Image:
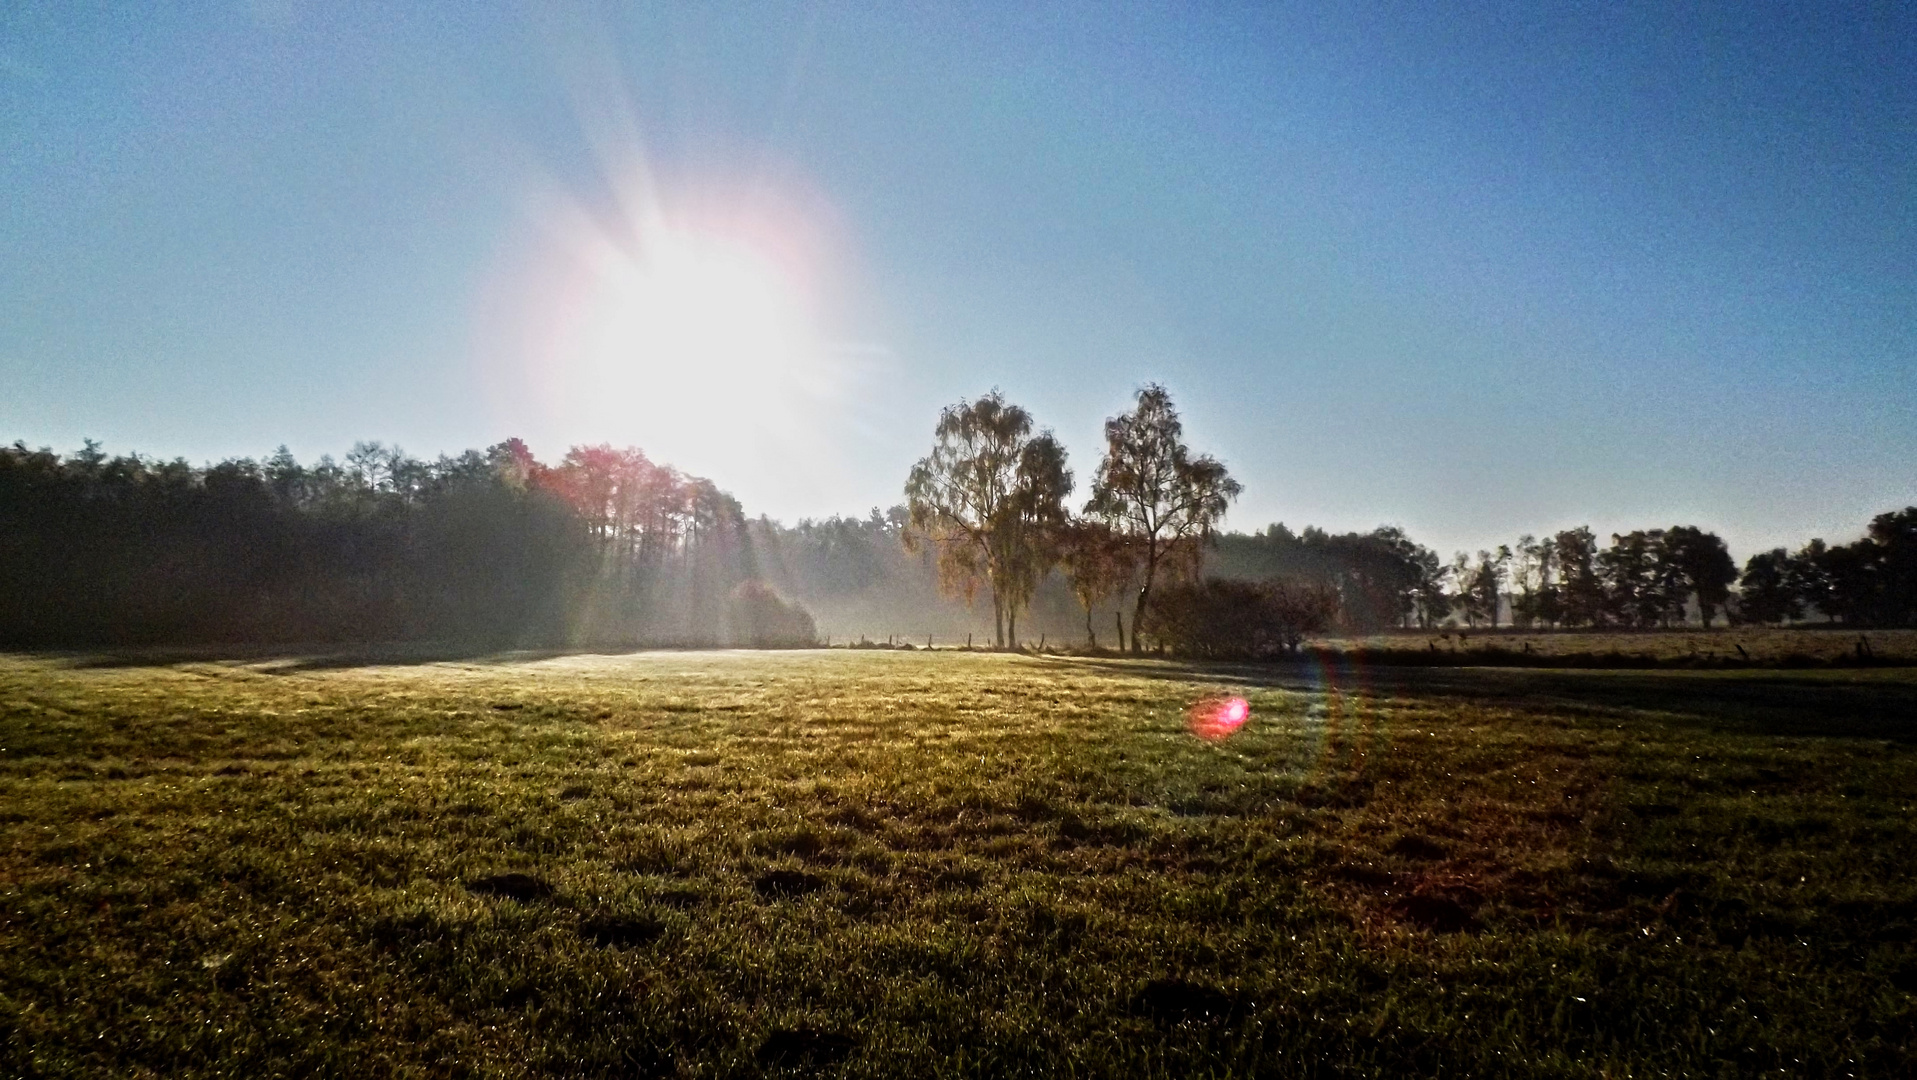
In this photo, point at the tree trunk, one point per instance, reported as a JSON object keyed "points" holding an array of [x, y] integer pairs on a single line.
{"points": [[1091, 636], [1138, 617], [1144, 595], [1011, 624], [1118, 617], [998, 622]]}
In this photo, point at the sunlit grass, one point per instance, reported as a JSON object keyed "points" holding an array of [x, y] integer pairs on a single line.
{"points": [[945, 864]]}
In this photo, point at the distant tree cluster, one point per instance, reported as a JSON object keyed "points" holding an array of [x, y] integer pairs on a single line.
{"points": [[1380, 579], [490, 545], [1674, 576], [1229, 619], [858, 578], [990, 501], [1870, 582], [762, 619], [1645, 578]]}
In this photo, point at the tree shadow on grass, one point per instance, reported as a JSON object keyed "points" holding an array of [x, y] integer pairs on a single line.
{"points": [[1836, 703]]}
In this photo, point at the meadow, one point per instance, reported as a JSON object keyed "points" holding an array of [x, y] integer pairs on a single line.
{"points": [[1814, 645], [950, 864]]}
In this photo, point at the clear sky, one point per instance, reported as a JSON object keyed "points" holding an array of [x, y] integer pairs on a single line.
{"points": [[1503, 269]]}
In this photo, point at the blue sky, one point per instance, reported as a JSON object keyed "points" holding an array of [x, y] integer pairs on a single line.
{"points": [[1497, 269]]}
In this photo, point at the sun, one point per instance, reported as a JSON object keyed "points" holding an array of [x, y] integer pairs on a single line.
{"points": [[702, 332], [702, 318], [702, 305]]}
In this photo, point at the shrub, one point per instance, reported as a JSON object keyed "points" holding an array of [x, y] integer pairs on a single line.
{"points": [[1228, 619], [761, 620]]}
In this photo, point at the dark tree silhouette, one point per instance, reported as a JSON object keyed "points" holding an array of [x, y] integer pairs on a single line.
{"points": [[1809, 576], [1432, 600], [1765, 592], [1226, 619], [1581, 589], [1377, 576], [1869, 582], [1629, 570], [1701, 565], [1893, 550], [1650, 575], [486, 546]]}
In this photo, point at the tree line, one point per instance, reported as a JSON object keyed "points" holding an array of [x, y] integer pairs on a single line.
{"points": [[1678, 576], [493, 545], [1643, 579], [991, 500], [607, 546], [1870, 582]]}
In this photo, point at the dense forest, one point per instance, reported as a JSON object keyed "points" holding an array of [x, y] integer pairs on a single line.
{"points": [[607, 547], [490, 546]]}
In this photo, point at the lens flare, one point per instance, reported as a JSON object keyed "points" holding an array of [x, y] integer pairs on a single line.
{"points": [[1215, 719]]}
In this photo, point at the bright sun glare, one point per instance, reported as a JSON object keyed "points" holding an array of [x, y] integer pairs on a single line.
{"points": [[700, 316], [697, 343], [699, 331]]}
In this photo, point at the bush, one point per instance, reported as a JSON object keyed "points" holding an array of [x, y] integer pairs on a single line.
{"points": [[761, 620], [1222, 619]]}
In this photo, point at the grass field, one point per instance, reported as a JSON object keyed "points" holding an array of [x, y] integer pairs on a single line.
{"points": [[1814, 645], [738, 864]]}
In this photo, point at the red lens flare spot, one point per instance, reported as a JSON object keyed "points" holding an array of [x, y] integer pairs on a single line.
{"points": [[1217, 718]]}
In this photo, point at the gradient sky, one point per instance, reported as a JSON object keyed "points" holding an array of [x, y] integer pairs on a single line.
{"points": [[1497, 270]]}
